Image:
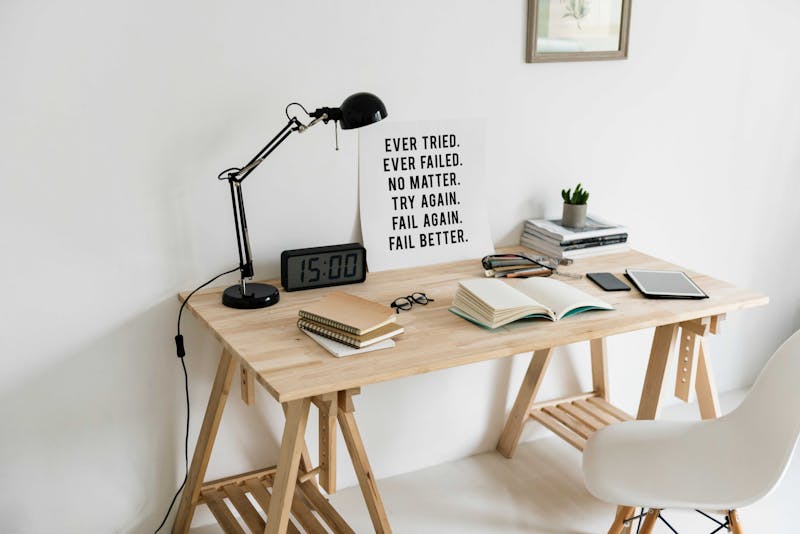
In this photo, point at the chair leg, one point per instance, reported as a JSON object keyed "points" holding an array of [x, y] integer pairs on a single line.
{"points": [[623, 513], [735, 524], [650, 521], [630, 527]]}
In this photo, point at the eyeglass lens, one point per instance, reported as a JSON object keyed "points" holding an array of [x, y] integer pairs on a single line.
{"points": [[405, 303]]}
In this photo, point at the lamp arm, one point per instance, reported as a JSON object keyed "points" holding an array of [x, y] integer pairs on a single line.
{"points": [[293, 125], [235, 177]]}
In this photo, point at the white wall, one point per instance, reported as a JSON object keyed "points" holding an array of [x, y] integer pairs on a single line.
{"points": [[117, 116]]}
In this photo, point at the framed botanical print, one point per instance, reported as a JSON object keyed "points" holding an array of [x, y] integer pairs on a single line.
{"points": [[577, 30]]}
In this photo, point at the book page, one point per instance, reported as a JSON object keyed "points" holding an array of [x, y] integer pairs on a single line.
{"points": [[560, 297], [498, 295], [492, 303]]}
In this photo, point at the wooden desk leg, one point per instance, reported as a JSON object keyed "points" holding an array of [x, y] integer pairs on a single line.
{"points": [[599, 367], [205, 442], [704, 385], [247, 385], [358, 455], [305, 457], [285, 479], [509, 438], [707, 399], [327, 442], [663, 344]]}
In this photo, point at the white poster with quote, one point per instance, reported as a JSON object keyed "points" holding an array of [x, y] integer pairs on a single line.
{"points": [[421, 193]]}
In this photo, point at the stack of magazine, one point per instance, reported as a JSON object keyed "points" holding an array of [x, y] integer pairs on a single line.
{"points": [[598, 237]]}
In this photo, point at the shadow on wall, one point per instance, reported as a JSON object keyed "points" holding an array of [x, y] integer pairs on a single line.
{"points": [[104, 427]]}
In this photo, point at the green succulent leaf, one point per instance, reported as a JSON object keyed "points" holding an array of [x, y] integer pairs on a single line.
{"points": [[577, 197]]}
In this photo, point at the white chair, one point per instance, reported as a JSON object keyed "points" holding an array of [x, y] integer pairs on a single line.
{"points": [[720, 464]]}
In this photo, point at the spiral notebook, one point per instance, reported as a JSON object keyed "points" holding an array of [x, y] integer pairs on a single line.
{"points": [[386, 331], [349, 313], [340, 350]]}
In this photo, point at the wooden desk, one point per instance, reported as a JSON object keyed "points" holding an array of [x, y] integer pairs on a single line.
{"points": [[297, 372]]}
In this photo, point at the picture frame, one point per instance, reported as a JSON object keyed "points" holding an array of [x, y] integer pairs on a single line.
{"points": [[577, 30]]}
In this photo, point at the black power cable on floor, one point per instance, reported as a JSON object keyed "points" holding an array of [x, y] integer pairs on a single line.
{"points": [[181, 352]]}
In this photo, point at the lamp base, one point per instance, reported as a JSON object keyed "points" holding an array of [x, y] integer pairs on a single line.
{"points": [[255, 296]]}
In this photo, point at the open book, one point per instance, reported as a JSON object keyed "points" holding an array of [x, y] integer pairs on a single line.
{"points": [[491, 302]]}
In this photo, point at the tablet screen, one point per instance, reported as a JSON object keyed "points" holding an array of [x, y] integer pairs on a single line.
{"points": [[665, 284]]}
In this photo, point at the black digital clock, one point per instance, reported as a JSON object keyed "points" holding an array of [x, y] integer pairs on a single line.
{"points": [[307, 268]]}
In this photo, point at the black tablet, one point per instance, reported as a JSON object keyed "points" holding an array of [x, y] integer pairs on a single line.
{"points": [[665, 284]]}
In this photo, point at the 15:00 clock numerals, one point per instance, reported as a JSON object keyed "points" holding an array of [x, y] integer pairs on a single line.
{"points": [[309, 268], [337, 266]]}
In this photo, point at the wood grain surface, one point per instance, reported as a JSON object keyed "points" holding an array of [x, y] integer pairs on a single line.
{"points": [[291, 366]]}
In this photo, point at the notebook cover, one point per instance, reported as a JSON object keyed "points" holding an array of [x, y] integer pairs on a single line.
{"points": [[349, 313], [341, 350], [384, 332]]}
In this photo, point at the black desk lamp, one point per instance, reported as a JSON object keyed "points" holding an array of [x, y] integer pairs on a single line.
{"points": [[356, 111]]}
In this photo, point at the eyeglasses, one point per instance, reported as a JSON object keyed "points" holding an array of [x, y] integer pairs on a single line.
{"points": [[405, 303]]}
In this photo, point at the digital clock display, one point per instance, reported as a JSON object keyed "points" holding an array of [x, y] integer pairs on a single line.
{"points": [[323, 266]]}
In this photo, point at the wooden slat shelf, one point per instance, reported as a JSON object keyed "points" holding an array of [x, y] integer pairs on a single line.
{"points": [[240, 503], [574, 419]]}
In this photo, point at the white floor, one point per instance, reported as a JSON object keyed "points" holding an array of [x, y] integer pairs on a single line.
{"points": [[539, 491]]}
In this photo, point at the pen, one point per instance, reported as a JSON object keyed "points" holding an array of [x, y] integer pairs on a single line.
{"points": [[526, 273]]}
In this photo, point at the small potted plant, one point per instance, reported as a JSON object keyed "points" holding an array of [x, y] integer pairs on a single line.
{"points": [[574, 214]]}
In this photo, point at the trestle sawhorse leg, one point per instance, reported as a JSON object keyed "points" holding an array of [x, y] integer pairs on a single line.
{"points": [[287, 493], [205, 442], [574, 418], [694, 373], [291, 450], [358, 455]]}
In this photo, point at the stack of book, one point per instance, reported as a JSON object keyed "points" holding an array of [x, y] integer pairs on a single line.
{"points": [[552, 239], [349, 322], [513, 266]]}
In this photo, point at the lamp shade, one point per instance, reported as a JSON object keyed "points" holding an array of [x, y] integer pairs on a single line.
{"points": [[360, 110]]}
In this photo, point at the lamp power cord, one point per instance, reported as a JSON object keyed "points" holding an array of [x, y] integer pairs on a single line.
{"points": [[181, 352]]}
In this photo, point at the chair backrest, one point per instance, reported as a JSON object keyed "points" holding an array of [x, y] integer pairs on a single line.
{"points": [[768, 420]]}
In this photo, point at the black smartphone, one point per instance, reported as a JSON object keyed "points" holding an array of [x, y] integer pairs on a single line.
{"points": [[608, 282]]}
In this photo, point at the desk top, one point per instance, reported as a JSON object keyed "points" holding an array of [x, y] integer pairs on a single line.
{"points": [[292, 366]]}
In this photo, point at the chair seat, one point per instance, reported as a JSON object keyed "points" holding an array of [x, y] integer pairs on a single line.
{"points": [[717, 464], [669, 464]]}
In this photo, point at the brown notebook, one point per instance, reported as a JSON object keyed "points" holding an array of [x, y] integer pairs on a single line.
{"points": [[349, 313], [379, 334]]}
